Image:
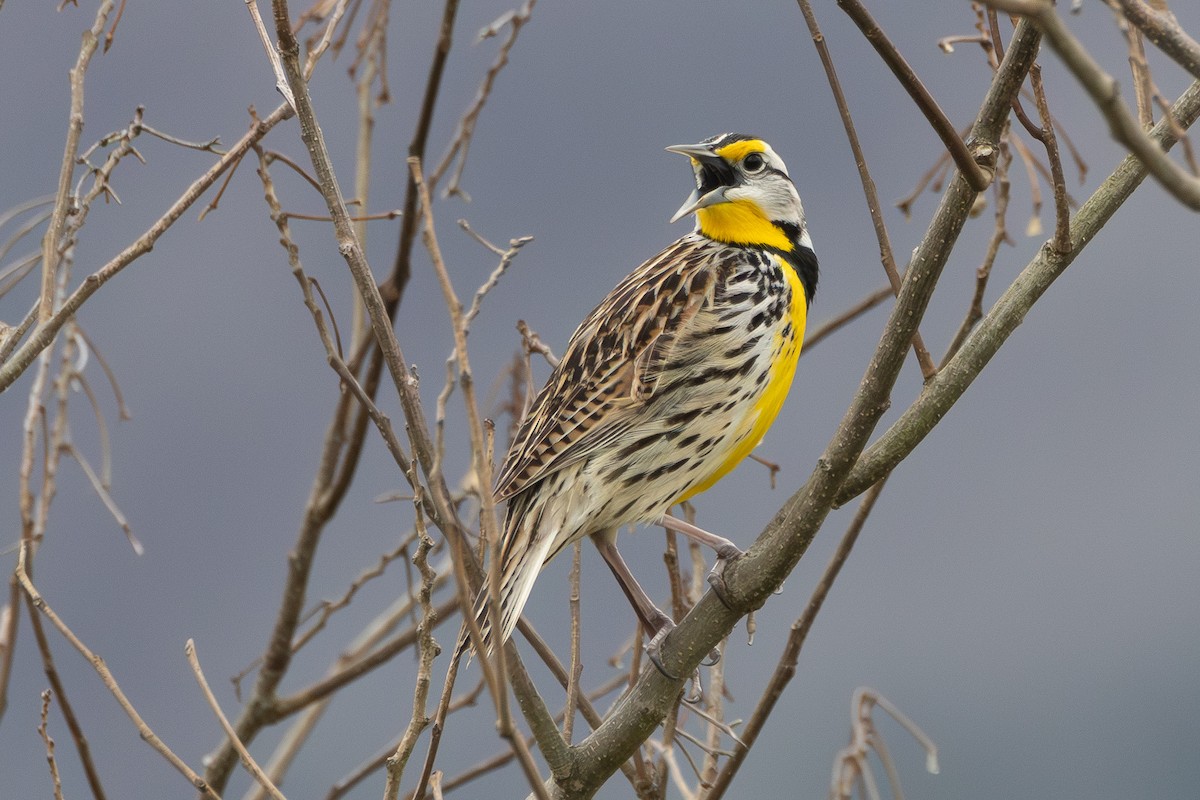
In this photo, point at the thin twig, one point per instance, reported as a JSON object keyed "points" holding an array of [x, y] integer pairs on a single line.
{"points": [[576, 663], [319, 50], [886, 255], [846, 317], [102, 492], [118, 395], [247, 760], [77, 735], [1062, 212], [1105, 93], [427, 650], [1008, 312], [112, 31], [51, 241], [211, 146], [932, 177], [963, 158], [281, 81], [144, 731], [44, 732], [353, 218]]}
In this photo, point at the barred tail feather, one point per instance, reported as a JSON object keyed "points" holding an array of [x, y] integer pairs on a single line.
{"points": [[521, 569]]}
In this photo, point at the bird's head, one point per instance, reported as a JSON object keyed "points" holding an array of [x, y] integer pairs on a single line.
{"points": [[743, 193]]}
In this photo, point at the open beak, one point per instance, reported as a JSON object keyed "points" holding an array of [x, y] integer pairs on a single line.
{"points": [[697, 201], [715, 177]]}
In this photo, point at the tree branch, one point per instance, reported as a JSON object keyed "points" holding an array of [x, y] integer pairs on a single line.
{"points": [[45, 331], [958, 150], [886, 255], [1010, 310], [1105, 93], [1161, 28]]}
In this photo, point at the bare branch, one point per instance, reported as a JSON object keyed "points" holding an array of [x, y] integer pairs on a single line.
{"points": [[427, 650], [62, 200], [281, 81], [45, 734], [864, 174], [576, 665], [47, 328], [851, 765], [964, 159], [144, 731], [1008, 312], [247, 760], [102, 492], [1105, 93]]}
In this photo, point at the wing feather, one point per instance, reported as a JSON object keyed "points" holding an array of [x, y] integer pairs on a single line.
{"points": [[612, 364]]}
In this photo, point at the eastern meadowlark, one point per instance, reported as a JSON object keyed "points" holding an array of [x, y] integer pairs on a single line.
{"points": [[667, 384]]}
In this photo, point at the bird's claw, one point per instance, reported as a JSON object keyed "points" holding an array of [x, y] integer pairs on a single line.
{"points": [[716, 578], [698, 689], [652, 652]]}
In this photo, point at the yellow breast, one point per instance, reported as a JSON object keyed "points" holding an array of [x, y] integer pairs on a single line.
{"points": [[762, 413]]}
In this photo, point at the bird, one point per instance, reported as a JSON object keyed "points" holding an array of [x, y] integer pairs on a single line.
{"points": [[665, 386]]}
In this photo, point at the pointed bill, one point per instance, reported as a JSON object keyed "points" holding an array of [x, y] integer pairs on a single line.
{"points": [[688, 206], [696, 151], [697, 201], [713, 174]]}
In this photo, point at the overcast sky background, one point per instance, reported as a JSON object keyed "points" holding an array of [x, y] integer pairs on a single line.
{"points": [[1026, 589]]}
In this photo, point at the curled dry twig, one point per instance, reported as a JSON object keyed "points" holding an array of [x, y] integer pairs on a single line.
{"points": [[850, 766]]}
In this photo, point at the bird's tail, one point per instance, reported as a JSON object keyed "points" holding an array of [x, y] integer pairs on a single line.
{"points": [[522, 559]]}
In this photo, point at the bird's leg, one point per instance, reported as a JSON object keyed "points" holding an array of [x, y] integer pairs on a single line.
{"points": [[726, 551], [656, 623]]}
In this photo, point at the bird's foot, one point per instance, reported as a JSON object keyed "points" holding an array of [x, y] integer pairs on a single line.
{"points": [[716, 578], [652, 650]]}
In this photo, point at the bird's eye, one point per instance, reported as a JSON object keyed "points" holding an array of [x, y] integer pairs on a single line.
{"points": [[753, 162]]}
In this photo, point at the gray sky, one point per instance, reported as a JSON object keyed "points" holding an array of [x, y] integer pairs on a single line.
{"points": [[1026, 588]]}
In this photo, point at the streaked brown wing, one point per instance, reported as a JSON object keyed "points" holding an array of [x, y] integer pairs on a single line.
{"points": [[611, 365]]}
